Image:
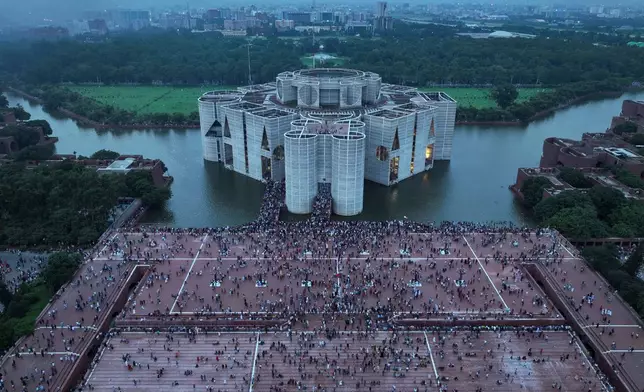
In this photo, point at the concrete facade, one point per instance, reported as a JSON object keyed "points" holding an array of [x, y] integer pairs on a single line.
{"points": [[327, 125]]}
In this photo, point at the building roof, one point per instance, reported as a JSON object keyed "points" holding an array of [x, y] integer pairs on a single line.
{"points": [[501, 34], [119, 165]]}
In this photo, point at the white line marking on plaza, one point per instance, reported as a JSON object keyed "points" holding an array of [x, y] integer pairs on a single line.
{"points": [[431, 357], [486, 274], [252, 374], [48, 353], [222, 313], [566, 249], [100, 356], [613, 326], [623, 351], [106, 245], [203, 241], [74, 327], [385, 259], [588, 361], [556, 373]]}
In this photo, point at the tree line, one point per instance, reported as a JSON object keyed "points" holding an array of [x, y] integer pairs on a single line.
{"points": [[622, 273], [508, 109], [65, 204], [590, 211], [416, 56], [414, 59]]}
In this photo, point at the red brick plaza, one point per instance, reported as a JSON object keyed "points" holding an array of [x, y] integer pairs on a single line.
{"points": [[345, 308]]}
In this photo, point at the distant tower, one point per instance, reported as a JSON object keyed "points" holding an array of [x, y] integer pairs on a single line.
{"points": [[381, 10], [250, 75], [381, 21]]}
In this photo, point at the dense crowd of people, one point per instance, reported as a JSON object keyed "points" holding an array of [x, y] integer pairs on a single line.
{"points": [[17, 267], [327, 277], [322, 204]]}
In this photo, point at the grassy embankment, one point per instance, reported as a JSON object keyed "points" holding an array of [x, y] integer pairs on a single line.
{"points": [[150, 99], [480, 97], [147, 99]]}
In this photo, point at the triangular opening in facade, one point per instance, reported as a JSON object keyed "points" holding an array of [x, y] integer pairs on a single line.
{"points": [[215, 130], [432, 130], [396, 144], [265, 141], [226, 128]]}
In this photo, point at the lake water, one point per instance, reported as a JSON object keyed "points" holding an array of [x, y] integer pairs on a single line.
{"points": [[473, 186]]}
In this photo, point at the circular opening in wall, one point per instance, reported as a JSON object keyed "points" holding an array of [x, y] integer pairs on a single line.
{"points": [[278, 153], [382, 154]]}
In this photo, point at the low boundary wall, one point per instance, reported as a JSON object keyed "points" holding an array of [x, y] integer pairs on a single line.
{"points": [[620, 380], [84, 360]]}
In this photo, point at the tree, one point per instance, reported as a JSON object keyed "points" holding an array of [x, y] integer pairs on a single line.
{"points": [[43, 124], [602, 258], [61, 266], [575, 178], [5, 294], [628, 219], [504, 95], [63, 204], [579, 222], [20, 113], [532, 190], [550, 206], [35, 153], [633, 264], [606, 200], [105, 154], [24, 136], [4, 102], [626, 127], [637, 139]]}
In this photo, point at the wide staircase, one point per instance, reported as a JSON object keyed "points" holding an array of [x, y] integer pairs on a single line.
{"points": [[183, 363], [340, 362]]}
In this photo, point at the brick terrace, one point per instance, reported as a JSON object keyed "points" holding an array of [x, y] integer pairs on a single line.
{"points": [[184, 265], [184, 285]]}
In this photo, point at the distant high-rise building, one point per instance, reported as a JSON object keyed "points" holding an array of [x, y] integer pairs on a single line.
{"points": [[300, 17], [129, 19], [382, 21], [381, 9], [212, 14]]}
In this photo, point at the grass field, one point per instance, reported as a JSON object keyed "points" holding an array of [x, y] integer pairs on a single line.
{"points": [[149, 99], [480, 97]]}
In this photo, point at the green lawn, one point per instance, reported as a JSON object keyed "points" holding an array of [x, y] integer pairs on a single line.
{"points": [[480, 97], [147, 99], [150, 99]]}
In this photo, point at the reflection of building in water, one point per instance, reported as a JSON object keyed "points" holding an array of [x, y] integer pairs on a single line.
{"points": [[327, 125]]}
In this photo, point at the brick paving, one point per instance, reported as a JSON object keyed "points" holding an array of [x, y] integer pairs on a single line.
{"points": [[326, 290]]}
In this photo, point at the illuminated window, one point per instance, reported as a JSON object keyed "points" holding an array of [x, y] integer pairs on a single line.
{"points": [[429, 152], [393, 169]]}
